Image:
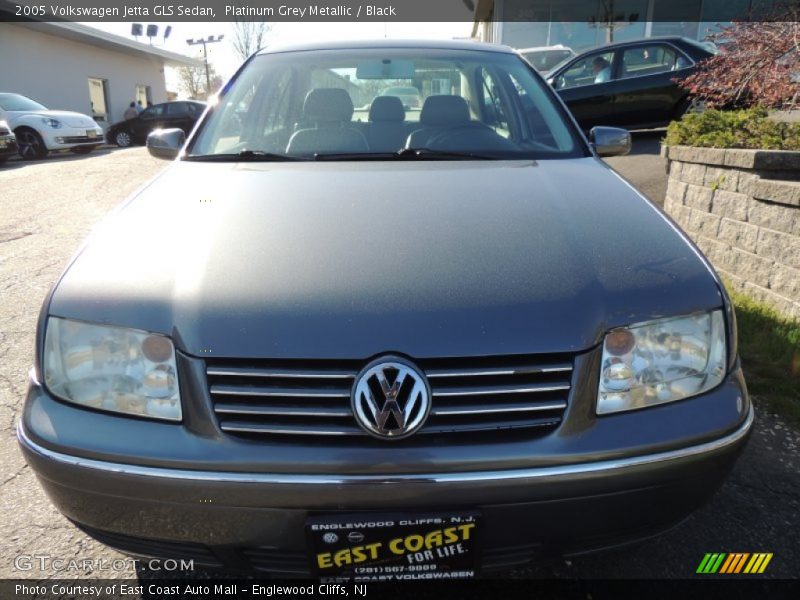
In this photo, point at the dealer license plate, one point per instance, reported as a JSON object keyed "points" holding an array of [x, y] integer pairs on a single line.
{"points": [[387, 547]]}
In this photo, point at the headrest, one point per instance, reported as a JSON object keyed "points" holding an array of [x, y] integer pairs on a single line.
{"points": [[328, 104], [387, 108], [444, 110]]}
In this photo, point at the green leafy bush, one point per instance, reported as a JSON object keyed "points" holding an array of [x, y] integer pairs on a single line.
{"points": [[749, 128]]}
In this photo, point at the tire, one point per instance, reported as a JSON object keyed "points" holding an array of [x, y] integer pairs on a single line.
{"points": [[82, 149], [31, 145], [689, 106], [123, 139]]}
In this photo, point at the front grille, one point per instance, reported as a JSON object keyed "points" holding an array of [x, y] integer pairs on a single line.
{"points": [[508, 557], [312, 398], [276, 561], [198, 553], [83, 139]]}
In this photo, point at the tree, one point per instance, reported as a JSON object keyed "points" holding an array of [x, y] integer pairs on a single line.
{"points": [[759, 63], [192, 80], [249, 36]]}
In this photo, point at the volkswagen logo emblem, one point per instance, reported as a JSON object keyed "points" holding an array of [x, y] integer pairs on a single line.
{"points": [[355, 537], [390, 398]]}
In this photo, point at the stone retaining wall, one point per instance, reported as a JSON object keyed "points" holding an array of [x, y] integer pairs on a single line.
{"points": [[742, 208]]}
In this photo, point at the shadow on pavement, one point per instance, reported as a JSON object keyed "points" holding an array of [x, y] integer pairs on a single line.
{"points": [[647, 142], [60, 156]]}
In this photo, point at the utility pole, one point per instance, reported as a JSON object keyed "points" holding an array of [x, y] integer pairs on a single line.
{"points": [[209, 40]]}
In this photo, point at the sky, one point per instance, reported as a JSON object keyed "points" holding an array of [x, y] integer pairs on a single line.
{"points": [[225, 60]]}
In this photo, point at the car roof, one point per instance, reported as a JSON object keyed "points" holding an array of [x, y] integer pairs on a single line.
{"points": [[384, 43], [637, 41], [544, 48]]}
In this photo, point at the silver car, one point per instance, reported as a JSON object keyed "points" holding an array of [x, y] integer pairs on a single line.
{"points": [[378, 343]]}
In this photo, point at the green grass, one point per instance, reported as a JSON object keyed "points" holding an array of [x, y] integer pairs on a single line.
{"points": [[769, 346]]}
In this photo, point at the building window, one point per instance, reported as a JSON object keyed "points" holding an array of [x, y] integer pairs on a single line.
{"points": [[143, 95], [98, 98]]}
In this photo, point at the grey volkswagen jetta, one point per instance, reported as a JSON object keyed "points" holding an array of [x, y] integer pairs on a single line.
{"points": [[342, 337]]}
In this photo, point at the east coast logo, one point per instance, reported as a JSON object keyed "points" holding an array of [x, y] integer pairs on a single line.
{"points": [[734, 563]]}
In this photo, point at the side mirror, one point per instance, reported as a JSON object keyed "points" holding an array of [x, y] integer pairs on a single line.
{"points": [[165, 143], [610, 141]]}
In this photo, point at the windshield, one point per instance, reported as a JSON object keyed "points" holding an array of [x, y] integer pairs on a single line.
{"points": [[15, 102], [379, 103]]}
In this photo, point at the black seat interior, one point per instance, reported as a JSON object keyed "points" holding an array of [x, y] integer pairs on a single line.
{"points": [[387, 129], [438, 114], [328, 127], [446, 125]]}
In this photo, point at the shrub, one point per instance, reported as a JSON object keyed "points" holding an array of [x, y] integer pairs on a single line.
{"points": [[750, 128]]}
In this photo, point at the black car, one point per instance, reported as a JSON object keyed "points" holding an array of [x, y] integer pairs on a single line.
{"points": [[8, 142], [182, 115], [630, 84]]}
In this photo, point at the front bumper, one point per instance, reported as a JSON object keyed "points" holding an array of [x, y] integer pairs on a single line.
{"points": [[8, 146], [255, 519], [70, 137]]}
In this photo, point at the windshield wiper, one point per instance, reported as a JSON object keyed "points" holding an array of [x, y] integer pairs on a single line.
{"points": [[406, 154], [244, 156], [430, 154]]}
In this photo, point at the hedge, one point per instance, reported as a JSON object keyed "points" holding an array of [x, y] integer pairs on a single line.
{"points": [[750, 128]]}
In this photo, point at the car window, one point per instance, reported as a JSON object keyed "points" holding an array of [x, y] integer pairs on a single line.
{"points": [[544, 60], [153, 111], [14, 102], [176, 109], [595, 68], [379, 101], [651, 59]]}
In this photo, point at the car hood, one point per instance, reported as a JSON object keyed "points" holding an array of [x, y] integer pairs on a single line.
{"points": [[70, 119], [350, 260]]}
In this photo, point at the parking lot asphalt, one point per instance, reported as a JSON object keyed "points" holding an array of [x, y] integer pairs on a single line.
{"points": [[644, 167], [48, 207]]}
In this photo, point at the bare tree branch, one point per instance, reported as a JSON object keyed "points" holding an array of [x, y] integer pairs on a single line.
{"points": [[759, 63], [249, 36], [192, 80]]}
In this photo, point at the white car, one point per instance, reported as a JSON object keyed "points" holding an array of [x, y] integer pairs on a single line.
{"points": [[544, 58], [40, 130]]}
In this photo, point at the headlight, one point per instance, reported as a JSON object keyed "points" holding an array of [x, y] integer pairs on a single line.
{"points": [[52, 123], [112, 368], [661, 361]]}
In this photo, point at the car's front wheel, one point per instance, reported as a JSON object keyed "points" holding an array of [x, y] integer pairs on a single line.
{"points": [[31, 145], [123, 139], [688, 106]]}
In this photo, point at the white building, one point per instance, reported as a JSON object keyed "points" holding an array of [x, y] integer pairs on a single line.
{"points": [[583, 24], [69, 66]]}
